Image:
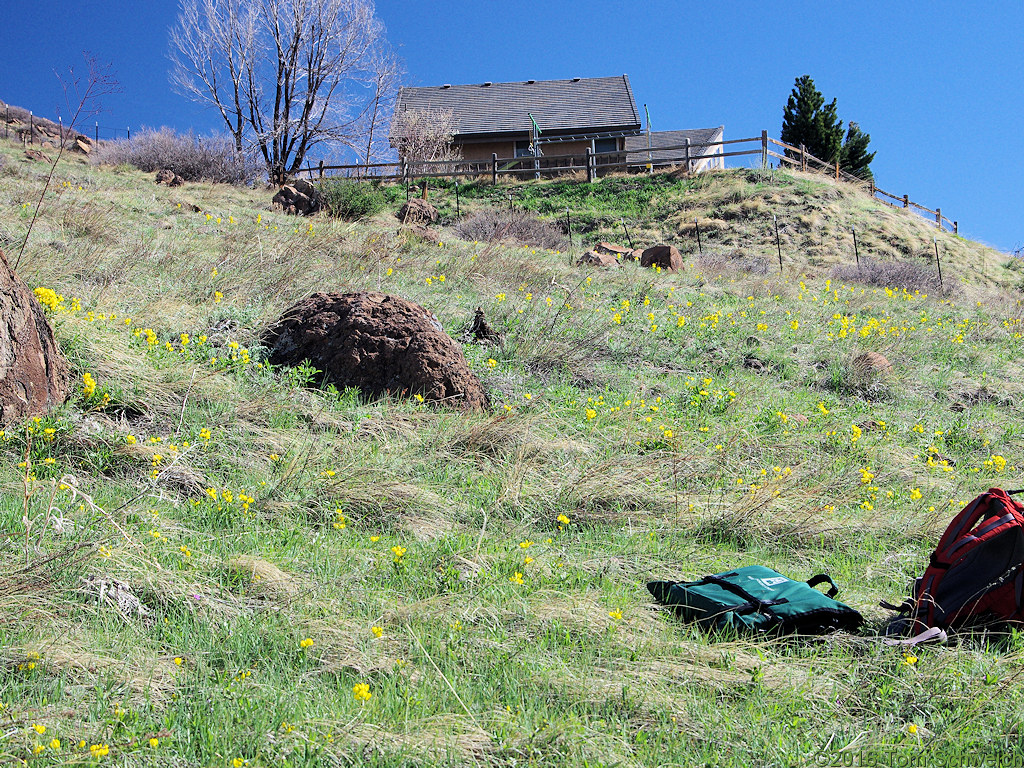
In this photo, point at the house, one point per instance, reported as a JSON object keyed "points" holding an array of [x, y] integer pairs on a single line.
{"points": [[672, 148], [533, 118]]}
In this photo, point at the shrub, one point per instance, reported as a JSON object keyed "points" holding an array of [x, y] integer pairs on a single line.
{"points": [[193, 158], [735, 261], [521, 226], [911, 275], [349, 199]]}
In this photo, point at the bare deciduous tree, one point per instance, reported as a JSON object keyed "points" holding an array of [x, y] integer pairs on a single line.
{"points": [[424, 135], [285, 75]]}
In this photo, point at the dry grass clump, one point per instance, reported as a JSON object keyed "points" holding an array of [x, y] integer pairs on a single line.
{"points": [[265, 578], [494, 225]]}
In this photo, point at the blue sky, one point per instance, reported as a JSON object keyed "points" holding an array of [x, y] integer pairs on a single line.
{"points": [[929, 81]]}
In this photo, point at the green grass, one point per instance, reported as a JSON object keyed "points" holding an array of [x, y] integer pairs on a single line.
{"points": [[717, 422]]}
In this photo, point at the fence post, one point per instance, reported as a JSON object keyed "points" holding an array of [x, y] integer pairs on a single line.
{"points": [[764, 150], [128, 132], [590, 165], [494, 168], [688, 168], [938, 218], [803, 158], [837, 169], [31, 128], [778, 241], [955, 228], [7, 119], [321, 169], [906, 201], [872, 187]]}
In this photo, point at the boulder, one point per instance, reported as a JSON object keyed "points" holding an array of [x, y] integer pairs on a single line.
{"points": [[417, 211], [81, 144], [664, 256], [597, 259], [382, 344], [169, 177], [300, 198], [34, 375]]}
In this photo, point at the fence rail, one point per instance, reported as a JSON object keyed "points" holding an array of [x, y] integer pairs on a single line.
{"points": [[635, 160]]}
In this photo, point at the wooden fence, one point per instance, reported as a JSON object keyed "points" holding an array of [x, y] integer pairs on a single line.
{"points": [[596, 164]]}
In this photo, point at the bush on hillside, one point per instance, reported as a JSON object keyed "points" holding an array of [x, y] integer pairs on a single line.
{"points": [[350, 200], [213, 158], [911, 275], [494, 225]]}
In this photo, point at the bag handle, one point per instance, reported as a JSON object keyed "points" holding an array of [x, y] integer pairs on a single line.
{"points": [[824, 578]]}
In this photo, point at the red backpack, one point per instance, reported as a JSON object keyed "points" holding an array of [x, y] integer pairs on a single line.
{"points": [[976, 573]]}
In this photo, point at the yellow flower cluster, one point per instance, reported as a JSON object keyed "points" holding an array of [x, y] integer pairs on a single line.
{"points": [[361, 692]]}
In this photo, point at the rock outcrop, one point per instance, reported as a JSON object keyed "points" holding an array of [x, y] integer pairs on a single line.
{"points": [[34, 375], [300, 198], [665, 256]]}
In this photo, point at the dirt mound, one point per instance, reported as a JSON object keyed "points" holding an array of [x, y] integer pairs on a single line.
{"points": [[381, 344], [33, 372], [417, 211]]}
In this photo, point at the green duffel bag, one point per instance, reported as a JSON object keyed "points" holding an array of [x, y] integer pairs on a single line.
{"points": [[759, 599]]}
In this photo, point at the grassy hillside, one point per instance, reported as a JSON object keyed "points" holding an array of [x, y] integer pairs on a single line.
{"points": [[330, 580]]}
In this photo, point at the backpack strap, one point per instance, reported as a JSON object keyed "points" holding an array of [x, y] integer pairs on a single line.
{"points": [[824, 578], [753, 604], [930, 635]]}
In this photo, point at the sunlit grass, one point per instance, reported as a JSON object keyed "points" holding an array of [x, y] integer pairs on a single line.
{"points": [[329, 578]]}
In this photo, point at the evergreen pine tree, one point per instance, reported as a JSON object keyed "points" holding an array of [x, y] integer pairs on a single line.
{"points": [[808, 120], [854, 157]]}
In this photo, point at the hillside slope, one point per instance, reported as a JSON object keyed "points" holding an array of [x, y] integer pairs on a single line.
{"points": [[327, 579]]}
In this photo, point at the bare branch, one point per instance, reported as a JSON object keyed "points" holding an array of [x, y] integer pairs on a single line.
{"points": [[423, 135], [285, 75]]}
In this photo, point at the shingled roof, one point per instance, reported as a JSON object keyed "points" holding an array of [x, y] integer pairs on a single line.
{"points": [[579, 105], [638, 144]]}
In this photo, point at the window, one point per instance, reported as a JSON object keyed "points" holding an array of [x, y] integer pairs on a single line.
{"points": [[524, 149], [606, 145]]}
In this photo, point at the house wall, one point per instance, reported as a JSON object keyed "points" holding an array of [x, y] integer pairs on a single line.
{"points": [[484, 149], [479, 151]]}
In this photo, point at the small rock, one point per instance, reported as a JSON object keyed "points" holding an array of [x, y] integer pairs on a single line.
{"points": [[169, 177], [601, 260], [618, 251]]}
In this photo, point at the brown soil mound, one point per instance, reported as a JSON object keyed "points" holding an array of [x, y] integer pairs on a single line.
{"points": [[381, 344]]}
